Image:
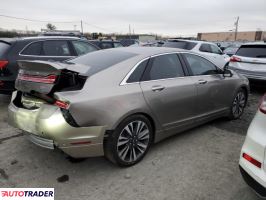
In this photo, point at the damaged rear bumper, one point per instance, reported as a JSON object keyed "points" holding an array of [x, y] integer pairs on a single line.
{"points": [[46, 127]]}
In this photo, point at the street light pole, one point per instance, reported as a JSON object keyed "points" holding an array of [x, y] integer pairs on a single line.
{"points": [[236, 29]]}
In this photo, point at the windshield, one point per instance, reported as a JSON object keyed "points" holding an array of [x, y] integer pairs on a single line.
{"points": [[252, 51]]}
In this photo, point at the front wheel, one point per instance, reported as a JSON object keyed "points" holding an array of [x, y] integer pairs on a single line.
{"points": [[238, 104], [130, 141]]}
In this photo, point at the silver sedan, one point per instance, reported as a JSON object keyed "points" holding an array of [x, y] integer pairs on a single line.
{"points": [[118, 102]]}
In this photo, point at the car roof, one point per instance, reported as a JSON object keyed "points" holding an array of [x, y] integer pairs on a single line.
{"points": [[147, 51], [49, 37]]}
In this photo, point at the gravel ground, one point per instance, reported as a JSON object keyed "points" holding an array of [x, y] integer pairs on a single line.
{"points": [[198, 164]]}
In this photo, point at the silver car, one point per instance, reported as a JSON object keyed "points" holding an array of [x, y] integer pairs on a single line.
{"points": [[250, 61], [117, 102]]}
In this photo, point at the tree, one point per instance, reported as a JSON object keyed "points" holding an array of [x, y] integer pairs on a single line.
{"points": [[50, 27]]}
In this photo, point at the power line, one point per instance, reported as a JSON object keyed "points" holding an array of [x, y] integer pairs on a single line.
{"points": [[35, 20]]}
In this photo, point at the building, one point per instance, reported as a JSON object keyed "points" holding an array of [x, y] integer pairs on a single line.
{"points": [[230, 36]]}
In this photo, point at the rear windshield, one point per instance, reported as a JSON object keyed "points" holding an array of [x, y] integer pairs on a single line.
{"points": [[100, 60], [252, 51], [180, 44], [3, 48]]}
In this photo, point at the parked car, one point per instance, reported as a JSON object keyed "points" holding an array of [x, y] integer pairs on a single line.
{"points": [[252, 157], [208, 49], [117, 102], [250, 61], [129, 42], [107, 44], [36, 48], [232, 49]]}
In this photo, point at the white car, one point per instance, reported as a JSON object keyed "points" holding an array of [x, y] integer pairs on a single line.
{"points": [[252, 161], [250, 61], [208, 49]]}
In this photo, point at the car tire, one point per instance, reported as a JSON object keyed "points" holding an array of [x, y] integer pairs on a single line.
{"points": [[238, 104], [130, 141]]}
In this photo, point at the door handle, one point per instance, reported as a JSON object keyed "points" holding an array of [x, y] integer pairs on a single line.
{"points": [[202, 81], [157, 88]]}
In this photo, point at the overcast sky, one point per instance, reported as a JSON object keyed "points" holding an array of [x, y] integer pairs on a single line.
{"points": [[167, 17]]}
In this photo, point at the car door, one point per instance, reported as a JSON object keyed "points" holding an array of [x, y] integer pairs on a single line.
{"points": [[213, 89], [168, 92], [219, 55], [206, 50]]}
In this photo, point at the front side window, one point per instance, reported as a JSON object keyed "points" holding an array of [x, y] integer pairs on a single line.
{"points": [[200, 66], [33, 49], [215, 49], [205, 48], [83, 47], [56, 48], [165, 66]]}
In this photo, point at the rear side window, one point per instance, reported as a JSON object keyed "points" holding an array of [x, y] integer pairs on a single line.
{"points": [[138, 72], [200, 66], [33, 49], [3, 48], [205, 48], [164, 67], [56, 48], [83, 47], [215, 49], [252, 51]]}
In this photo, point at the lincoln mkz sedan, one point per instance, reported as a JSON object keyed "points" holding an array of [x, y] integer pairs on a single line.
{"points": [[117, 102]]}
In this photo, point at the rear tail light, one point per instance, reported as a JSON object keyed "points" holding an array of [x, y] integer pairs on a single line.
{"points": [[61, 104], [38, 79], [3, 64], [235, 59], [262, 107], [252, 160]]}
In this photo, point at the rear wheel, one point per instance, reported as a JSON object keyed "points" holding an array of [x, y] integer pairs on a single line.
{"points": [[130, 141], [238, 104]]}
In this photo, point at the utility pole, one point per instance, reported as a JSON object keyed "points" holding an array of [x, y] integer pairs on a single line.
{"points": [[129, 31], [236, 27], [81, 26]]}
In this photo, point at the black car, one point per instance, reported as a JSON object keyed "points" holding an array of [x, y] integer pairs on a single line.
{"points": [[36, 48], [107, 44]]}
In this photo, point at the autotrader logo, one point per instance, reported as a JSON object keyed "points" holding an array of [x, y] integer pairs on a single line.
{"points": [[27, 193]]}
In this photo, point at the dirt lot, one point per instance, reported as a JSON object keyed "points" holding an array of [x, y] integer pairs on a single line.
{"points": [[198, 164]]}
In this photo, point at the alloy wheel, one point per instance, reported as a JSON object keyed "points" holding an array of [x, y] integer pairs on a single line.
{"points": [[133, 141], [239, 104]]}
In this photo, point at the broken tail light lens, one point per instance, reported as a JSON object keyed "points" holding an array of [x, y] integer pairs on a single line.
{"points": [[38, 79], [262, 107]]}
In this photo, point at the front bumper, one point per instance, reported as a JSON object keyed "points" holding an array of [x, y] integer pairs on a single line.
{"points": [[46, 127]]}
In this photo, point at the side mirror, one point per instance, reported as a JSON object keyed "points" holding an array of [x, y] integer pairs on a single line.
{"points": [[227, 72]]}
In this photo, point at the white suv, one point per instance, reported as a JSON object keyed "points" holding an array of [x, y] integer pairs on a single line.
{"points": [[208, 49], [250, 61]]}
